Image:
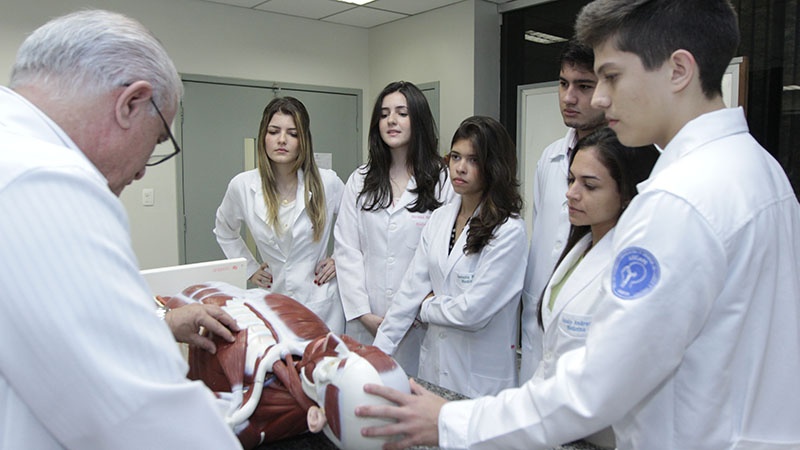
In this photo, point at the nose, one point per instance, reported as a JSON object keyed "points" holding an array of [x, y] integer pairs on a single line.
{"points": [[572, 192], [600, 98], [459, 166], [282, 137], [391, 118], [569, 96]]}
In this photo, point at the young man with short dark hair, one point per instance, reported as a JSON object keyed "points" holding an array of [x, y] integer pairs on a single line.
{"points": [[697, 344]]}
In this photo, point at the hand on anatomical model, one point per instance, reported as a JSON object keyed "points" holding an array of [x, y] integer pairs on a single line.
{"points": [[285, 372], [186, 322]]}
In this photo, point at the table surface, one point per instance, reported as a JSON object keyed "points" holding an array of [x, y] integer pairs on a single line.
{"points": [[319, 441]]}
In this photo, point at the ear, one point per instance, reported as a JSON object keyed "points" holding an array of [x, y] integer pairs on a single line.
{"points": [[316, 419], [132, 102], [683, 69]]}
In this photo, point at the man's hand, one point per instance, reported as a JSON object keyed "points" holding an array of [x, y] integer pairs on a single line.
{"points": [[185, 323], [417, 416]]}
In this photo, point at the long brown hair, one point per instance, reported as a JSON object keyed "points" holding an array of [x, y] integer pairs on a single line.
{"points": [[314, 195], [424, 159], [497, 165]]}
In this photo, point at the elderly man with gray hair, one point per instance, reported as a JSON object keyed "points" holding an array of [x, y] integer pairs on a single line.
{"points": [[85, 362]]}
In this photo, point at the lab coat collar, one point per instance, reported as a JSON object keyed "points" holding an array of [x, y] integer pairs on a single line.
{"points": [[260, 207], [696, 133], [458, 248], [22, 117], [406, 199], [590, 268], [570, 139]]}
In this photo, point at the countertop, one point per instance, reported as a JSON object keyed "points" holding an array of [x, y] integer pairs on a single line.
{"points": [[318, 441]]}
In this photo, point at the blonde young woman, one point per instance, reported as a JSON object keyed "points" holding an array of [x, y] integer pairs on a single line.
{"points": [[288, 204], [386, 204]]}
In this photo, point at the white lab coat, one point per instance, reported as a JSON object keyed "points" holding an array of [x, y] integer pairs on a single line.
{"points": [[472, 319], [373, 250], [292, 273], [548, 238], [568, 323], [84, 362], [705, 354]]}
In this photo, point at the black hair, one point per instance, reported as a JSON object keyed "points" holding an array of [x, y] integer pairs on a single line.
{"points": [[628, 166], [424, 159], [497, 165]]}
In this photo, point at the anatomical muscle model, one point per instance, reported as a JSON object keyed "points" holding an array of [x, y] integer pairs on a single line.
{"points": [[286, 372]]}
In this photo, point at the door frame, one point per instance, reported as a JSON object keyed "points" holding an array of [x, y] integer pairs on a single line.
{"points": [[231, 81]]}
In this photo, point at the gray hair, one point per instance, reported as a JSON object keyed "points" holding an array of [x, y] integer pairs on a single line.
{"points": [[94, 51]]}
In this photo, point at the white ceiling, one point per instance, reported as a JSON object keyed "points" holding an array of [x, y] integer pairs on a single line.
{"points": [[367, 16]]}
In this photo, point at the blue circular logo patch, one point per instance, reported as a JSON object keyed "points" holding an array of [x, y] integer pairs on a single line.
{"points": [[636, 272]]}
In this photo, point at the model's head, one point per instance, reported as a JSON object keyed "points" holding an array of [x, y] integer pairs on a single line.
{"points": [[576, 86], [483, 163], [284, 136], [654, 29], [92, 52], [401, 117], [603, 175]]}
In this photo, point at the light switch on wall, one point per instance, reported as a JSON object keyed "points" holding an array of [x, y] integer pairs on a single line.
{"points": [[148, 197]]}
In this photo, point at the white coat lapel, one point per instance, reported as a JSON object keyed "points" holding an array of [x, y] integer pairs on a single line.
{"points": [[558, 275], [448, 260], [299, 201], [590, 268], [406, 199]]}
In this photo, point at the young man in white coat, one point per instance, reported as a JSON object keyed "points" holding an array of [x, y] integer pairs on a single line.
{"points": [[696, 344], [85, 362], [550, 212]]}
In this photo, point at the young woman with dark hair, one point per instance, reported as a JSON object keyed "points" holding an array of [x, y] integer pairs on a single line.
{"points": [[386, 204], [288, 205], [467, 273], [603, 176]]}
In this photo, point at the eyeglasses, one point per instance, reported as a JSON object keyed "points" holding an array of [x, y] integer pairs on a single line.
{"points": [[158, 159]]}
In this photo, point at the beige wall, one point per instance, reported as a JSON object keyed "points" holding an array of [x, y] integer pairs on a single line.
{"points": [[212, 39]]}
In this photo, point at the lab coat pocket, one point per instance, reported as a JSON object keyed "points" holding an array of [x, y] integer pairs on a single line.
{"points": [[464, 280], [575, 326]]}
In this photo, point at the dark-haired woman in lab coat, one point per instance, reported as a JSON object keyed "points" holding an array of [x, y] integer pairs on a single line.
{"points": [[467, 273]]}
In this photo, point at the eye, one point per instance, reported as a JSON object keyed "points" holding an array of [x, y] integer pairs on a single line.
{"points": [[610, 77], [455, 156], [403, 114], [570, 180], [586, 87], [589, 187], [563, 84]]}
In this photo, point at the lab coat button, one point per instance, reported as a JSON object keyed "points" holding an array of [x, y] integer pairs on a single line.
{"points": [[291, 293], [392, 226], [548, 355], [272, 242], [442, 335], [389, 292], [390, 260]]}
